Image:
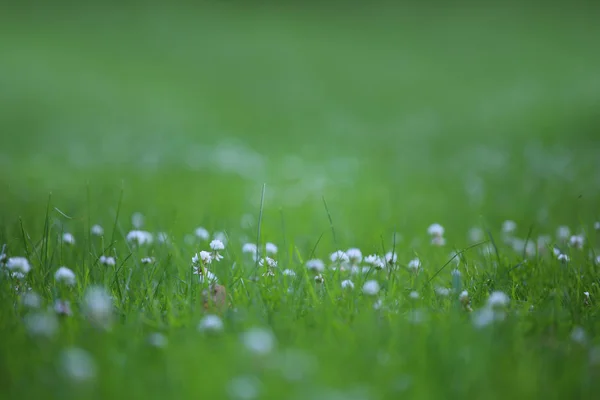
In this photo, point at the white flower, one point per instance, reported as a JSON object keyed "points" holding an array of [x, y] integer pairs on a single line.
{"points": [[315, 265], [435, 230], [476, 235], [258, 341], [371, 288], [205, 276], [139, 238], [414, 295], [378, 304], [104, 260], [250, 248], [65, 275], [354, 255], [289, 272], [319, 278], [217, 245], [563, 232], [203, 257], [586, 294], [147, 260], [78, 364], [18, 264], [578, 335], [17, 275], [597, 259], [543, 241], [438, 241], [414, 264], [68, 238], [157, 339], [442, 291], [31, 300], [98, 306], [391, 258], [509, 226], [63, 307], [268, 261], [41, 324], [244, 388], [347, 284], [463, 296], [597, 225], [576, 241], [563, 257], [221, 237], [162, 237], [375, 261], [202, 233], [271, 248], [211, 323], [137, 220], [498, 299], [455, 273], [339, 257], [483, 317], [97, 230]]}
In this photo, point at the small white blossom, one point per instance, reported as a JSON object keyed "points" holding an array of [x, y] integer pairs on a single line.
{"points": [[597, 225], [68, 238], [259, 341], [378, 304], [18, 264], [339, 257], [31, 300], [442, 291], [563, 258], [288, 272], [375, 261], [268, 262], [414, 295], [563, 233], [347, 284], [509, 227], [63, 307], [202, 233], [78, 364], [97, 230], [203, 257], [354, 255], [104, 260], [598, 260], [414, 264], [157, 339], [147, 260], [205, 275], [319, 278], [498, 299], [578, 335], [65, 275], [140, 238], [98, 306], [315, 265], [463, 296], [137, 220], [543, 241], [435, 230], [211, 323], [249, 248], [221, 237], [576, 241], [586, 294], [483, 317], [162, 237], [271, 248], [41, 324], [391, 258], [371, 288], [438, 241]]}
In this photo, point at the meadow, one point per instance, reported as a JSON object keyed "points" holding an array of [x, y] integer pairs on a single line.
{"points": [[303, 202]]}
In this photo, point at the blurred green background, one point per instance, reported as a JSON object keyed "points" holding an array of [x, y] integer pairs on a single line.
{"points": [[398, 115]]}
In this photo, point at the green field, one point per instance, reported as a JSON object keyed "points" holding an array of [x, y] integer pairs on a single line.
{"points": [[316, 129]]}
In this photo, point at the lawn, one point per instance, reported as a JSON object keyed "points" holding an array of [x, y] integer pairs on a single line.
{"points": [[441, 162]]}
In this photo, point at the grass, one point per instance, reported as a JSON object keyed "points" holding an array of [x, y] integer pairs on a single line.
{"points": [[317, 130]]}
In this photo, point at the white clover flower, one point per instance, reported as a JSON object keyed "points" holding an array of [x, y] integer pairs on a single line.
{"points": [[463, 296], [78, 364], [563, 232], [414, 295], [376, 261], [271, 248], [578, 335], [371, 288], [140, 238], [205, 275], [258, 341], [371, 259], [476, 235], [438, 241], [157, 339], [354, 255], [63, 307], [203, 257], [17, 275], [442, 291], [414, 264], [315, 265], [249, 248], [97, 230], [211, 323], [508, 226], [576, 241], [98, 306], [65, 275], [391, 258], [217, 245], [483, 317], [289, 272], [202, 233], [221, 237], [347, 284], [435, 230], [563, 258], [498, 299], [18, 264], [244, 388], [31, 300], [339, 257], [319, 278], [68, 238], [41, 324], [147, 260], [104, 260], [268, 262]]}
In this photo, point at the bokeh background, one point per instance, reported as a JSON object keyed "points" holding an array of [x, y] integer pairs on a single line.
{"points": [[398, 114]]}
